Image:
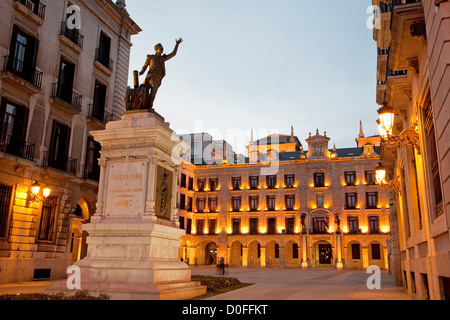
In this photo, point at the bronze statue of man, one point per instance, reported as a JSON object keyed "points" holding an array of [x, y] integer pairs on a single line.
{"points": [[157, 72]]}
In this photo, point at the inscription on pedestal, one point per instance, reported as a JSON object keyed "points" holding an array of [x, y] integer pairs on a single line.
{"points": [[125, 189]]}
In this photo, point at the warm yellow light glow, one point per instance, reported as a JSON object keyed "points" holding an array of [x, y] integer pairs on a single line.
{"points": [[280, 229], [364, 229], [35, 188], [262, 229], [385, 229], [244, 230], [46, 192], [380, 174], [345, 229], [385, 121]]}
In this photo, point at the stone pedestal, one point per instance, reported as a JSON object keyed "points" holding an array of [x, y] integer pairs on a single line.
{"points": [[133, 241]]}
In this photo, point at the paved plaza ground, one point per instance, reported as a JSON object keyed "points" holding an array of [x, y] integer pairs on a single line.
{"points": [[311, 284], [280, 284]]}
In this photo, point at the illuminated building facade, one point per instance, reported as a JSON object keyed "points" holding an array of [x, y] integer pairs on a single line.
{"points": [[59, 81], [413, 80], [278, 207]]}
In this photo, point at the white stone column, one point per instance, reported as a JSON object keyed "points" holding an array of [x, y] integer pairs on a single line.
{"points": [[149, 213], [305, 249], [101, 192]]}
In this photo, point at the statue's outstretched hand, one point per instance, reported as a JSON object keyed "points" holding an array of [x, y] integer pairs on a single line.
{"points": [[178, 41]]}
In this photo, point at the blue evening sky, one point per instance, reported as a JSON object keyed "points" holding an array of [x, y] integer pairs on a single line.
{"points": [[262, 64]]}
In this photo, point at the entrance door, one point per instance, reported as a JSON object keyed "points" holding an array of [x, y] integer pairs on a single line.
{"points": [[325, 254], [211, 254]]}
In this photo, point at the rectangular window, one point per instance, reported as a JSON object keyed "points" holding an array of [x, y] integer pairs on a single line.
{"points": [[183, 181], [370, 177], [48, 219], [92, 168], [236, 181], [372, 200], [271, 203], [201, 185], [23, 56], [190, 204], [431, 143], [236, 222], [182, 201], [320, 225], [319, 180], [289, 202], [356, 251], [212, 204], [5, 205], [212, 226], [13, 125], [236, 202], [253, 225], [289, 180], [294, 251], [213, 183], [373, 224], [350, 178], [271, 182], [376, 253], [319, 200], [271, 225], [189, 226], [98, 107], [201, 205], [353, 224], [200, 226], [191, 184], [59, 146], [64, 89], [290, 225], [103, 51], [254, 203], [350, 200], [254, 182]]}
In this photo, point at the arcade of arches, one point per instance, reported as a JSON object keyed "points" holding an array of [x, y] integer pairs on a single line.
{"points": [[302, 251]]}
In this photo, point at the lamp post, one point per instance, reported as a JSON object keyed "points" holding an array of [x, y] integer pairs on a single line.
{"points": [[408, 137]]}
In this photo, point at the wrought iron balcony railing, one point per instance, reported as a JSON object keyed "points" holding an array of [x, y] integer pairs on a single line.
{"points": [[69, 96], [72, 34], [18, 68], [63, 163], [22, 149], [34, 6], [104, 59]]}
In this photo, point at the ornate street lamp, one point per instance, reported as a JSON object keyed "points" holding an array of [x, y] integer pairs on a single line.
{"points": [[385, 122], [33, 194], [380, 176]]}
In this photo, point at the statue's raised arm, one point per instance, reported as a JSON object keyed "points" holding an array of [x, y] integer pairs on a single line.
{"points": [[174, 52]]}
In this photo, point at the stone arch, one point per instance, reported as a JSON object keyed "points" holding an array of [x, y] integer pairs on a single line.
{"points": [[291, 254], [376, 254], [254, 254], [236, 253], [81, 214], [322, 254], [354, 256], [206, 253], [273, 254]]}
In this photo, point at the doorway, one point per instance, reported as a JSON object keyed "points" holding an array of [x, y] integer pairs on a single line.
{"points": [[211, 254], [325, 254]]}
